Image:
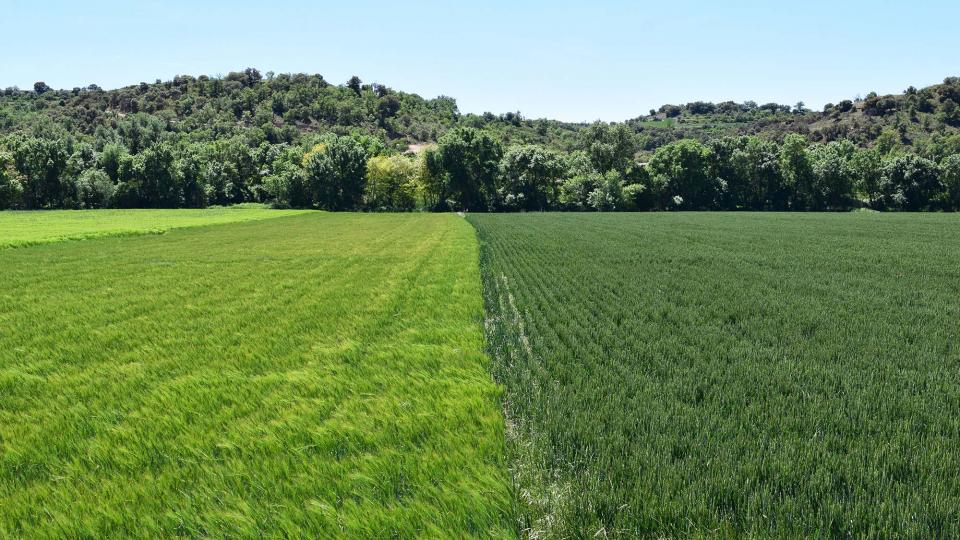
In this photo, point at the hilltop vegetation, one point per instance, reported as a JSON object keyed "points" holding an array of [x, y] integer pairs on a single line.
{"points": [[925, 120], [297, 140]]}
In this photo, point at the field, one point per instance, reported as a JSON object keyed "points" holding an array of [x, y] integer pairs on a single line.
{"points": [[18, 229], [766, 375], [316, 375], [309, 374]]}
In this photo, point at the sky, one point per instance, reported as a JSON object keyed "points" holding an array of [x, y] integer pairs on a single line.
{"points": [[577, 61]]}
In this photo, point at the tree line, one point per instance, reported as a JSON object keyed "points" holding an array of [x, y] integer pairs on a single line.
{"points": [[471, 169], [299, 141]]}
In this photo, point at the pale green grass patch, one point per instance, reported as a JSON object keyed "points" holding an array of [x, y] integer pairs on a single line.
{"points": [[24, 228], [319, 375]]}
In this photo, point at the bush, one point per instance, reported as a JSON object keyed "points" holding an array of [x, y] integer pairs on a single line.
{"points": [[391, 184], [94, 189]]}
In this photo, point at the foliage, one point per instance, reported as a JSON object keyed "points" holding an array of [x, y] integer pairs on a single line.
{"points": [[335, 173], [471, 161], [910, 183], [951, 178], [531, 177], [248, 137], [682, 170], [391, 183]]}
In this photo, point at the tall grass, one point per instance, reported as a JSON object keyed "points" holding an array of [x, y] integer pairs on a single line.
{"points": [[318, 375], [19, 229], [766, 375]]}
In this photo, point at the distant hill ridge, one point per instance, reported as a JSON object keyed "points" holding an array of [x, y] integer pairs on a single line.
{"points": [[284, 106]]}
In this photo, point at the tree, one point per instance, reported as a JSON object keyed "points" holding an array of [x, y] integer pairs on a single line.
{"points": [[758, 163], [391, 184], [682, 169], [950, 175], [865, 167], [797, 171], [285, 181], [832, 176], [910, 182], [432, 180], [531, 176], [471, 160], [355, 84], [11, 188], [387, 107], [608, 193], [575, 191], [610, 147], [109, 159], [94, 189], [727, 167], [887, 142], [42, 163], [335, 173], [41, 87], [670, 111], [189, 173]]}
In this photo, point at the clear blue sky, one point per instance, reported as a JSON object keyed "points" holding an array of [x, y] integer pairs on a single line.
{"points": [[608, 60]]}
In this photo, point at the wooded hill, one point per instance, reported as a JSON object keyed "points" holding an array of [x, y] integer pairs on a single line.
{"points": [[299, 140]]}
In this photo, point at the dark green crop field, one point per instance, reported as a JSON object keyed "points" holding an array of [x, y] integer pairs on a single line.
{"points": [[771, 375], [319, 375]]}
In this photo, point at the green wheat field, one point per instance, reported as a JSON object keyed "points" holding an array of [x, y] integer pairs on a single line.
{"points": [[254, 373]]}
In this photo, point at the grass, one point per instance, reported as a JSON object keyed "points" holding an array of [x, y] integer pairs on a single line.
{"points": [[702, 375], [19, 229], [318, 375]]}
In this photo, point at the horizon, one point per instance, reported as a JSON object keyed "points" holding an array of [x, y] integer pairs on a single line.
{"points": [[565, 61], [222, 75]]}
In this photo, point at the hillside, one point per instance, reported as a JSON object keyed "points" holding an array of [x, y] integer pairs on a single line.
{"points": [[924, 119], [297, 140], [283, 107], [275, 108]]}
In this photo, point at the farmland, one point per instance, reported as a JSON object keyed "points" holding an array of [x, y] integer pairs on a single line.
{"points": [[18, 229], [312, 375], [772, 375], [246, 372]]}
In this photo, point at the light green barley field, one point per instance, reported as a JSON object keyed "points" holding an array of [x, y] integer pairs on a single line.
{"points": [[317, 375]]}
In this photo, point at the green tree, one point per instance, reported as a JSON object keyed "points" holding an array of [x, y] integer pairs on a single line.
{"points": [[336, 173], [758, 163], [682, 169], [608, 193], [94, 189], [11, 189], [575, 191], [391, 184], [832, 175], [355, 84], [432, 180], [42, 164], [610, 147], [531, 176], [797, 171], [471, 160], [865, 167], [157, 178], [950, 175], [109, 159], [910, 182]]}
